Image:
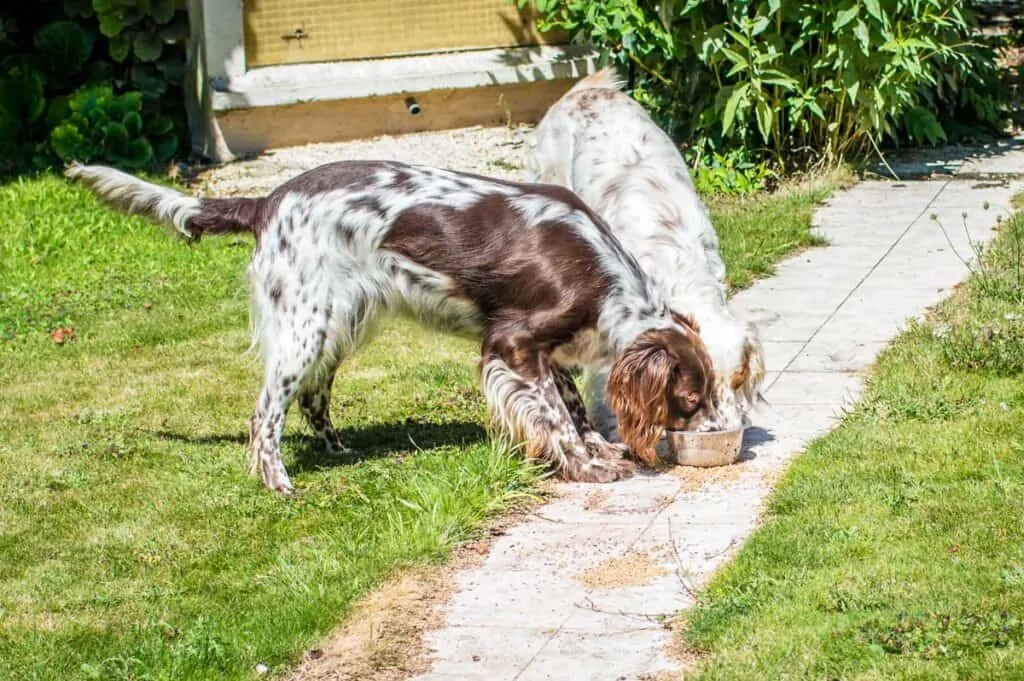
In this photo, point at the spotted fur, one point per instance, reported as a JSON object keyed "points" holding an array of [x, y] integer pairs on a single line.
{"points": [[603, 145], [528, 269]]}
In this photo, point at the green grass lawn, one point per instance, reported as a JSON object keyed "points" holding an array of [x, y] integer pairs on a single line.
{"points": [[132, 544], [894, 547]]}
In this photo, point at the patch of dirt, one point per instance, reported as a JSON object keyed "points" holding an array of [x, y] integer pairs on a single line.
{"points": [[382, 638], [595, 500], [383, 635], [632, 569], [696, 479], [495, 151]]}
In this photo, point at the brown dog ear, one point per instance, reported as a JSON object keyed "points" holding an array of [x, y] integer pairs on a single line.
{"points": [[638, 393], [686, 321], [747, 379]]}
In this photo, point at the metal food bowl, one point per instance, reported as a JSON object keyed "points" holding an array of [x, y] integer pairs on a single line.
{"points": [[705, 450]]}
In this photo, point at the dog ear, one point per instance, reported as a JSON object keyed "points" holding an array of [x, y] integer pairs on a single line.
{"points": [[638, 393], [747, 379], [686, 321]]}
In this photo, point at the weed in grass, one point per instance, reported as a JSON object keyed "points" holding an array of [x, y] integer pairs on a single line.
{"points": [[934, 635], [991, 336], [996, 347]]}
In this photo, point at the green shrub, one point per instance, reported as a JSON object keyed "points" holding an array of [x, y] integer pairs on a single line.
{"points": [[91, 80], [798, 81], [103, 125]]}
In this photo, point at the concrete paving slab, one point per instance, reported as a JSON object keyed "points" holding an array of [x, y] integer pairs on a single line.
{"points": [[793, 328], [778, 354], [609, 657], [814, 387], [847, 355]]}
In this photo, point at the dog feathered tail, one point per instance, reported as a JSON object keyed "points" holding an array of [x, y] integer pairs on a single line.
{"points": [[191, 217], [605, 79]]}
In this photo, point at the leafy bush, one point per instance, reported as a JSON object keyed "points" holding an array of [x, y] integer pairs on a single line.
{"points": [[91, 80], [730, 174], [102, 125], [800, 81]]}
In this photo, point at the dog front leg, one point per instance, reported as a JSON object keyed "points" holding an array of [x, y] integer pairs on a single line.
{"points": [[598, 446], [529, 409]]}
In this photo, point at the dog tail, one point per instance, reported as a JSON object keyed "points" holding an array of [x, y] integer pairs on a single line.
{"points": [[191, 217], [605, 79]]}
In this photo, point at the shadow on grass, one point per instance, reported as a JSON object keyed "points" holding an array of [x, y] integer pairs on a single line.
{"points": [[382, 440], [366, 442]]}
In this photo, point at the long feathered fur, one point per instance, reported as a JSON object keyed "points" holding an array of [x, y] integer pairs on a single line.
{"points": [[604, 146], [189, 216]]}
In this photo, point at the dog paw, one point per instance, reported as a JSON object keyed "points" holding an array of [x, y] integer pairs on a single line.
{"points": [[606, 470], [333, 444], [275, 477], [600, 448]]}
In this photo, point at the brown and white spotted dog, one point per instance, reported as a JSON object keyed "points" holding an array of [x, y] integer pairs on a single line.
{"points": [[529, 269]]}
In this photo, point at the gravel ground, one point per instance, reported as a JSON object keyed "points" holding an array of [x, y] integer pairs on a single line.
{"points": [[496, 152]]}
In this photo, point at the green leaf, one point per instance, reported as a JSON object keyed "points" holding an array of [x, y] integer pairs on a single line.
{"points": [[922, 125], [21, 93], [165, 147], [132, 123], [138, 154], [765, 118], [147, 46], [776, 77], [845, 16], [77, 8], [760, 25], [120, 46], [68, 143], [813, 106], [731, 106], [147, 79], [734, 57], [162, 11], [111, 24], [63, 48], [10, 131], [160, 125], [860, 31], [875, 10], [58, 111], [852, 89]]}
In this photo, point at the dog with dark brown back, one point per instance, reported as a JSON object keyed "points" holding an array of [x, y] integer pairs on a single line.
{"points": [[528, 269]]}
